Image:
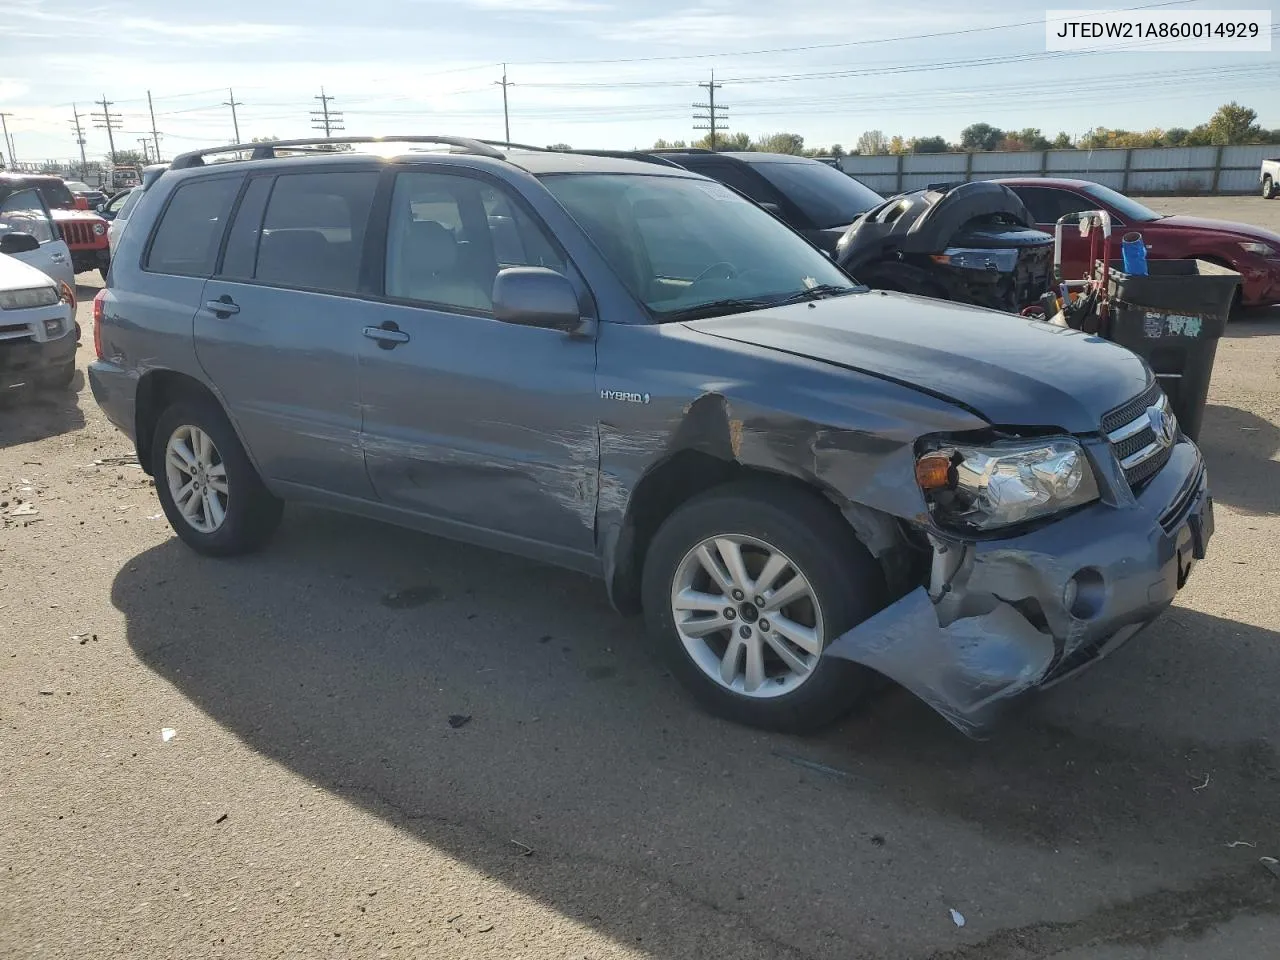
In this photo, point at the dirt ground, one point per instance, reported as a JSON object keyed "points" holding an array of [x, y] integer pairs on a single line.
{"points": [[316, 799]]}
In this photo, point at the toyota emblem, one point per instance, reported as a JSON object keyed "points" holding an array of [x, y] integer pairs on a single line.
{"points": [[1163, 425]]}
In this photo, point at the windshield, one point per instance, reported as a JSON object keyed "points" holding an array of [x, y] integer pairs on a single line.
{"points": [[56, 194], [1127, 207], [683, 245], [825, 195], [75, 186]]}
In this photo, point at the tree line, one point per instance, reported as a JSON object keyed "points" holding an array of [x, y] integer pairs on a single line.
{"points": [[1230, 124]]}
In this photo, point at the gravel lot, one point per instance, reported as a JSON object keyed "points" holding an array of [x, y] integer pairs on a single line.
{"points": [[315, 799]]}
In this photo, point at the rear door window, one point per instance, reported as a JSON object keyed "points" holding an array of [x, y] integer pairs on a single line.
{"points": [[313, 232], [190, 230]]}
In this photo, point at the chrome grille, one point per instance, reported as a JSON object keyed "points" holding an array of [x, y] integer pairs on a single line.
{"points": [[1141, 449], [1121, 416]]}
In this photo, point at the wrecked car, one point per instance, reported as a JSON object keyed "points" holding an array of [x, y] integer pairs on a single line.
{"points": [[629, 370], [971, 242]]}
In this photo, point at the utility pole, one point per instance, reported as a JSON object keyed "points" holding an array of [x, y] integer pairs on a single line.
{"points": [[155, 137], [8, 142], [233, 103], [108, 121], [324, 118], [84, 164], [145, 143], [506, 117], [716, 118]]}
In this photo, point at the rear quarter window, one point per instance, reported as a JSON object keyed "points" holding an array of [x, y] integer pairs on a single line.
{"points": [[190, 230]]}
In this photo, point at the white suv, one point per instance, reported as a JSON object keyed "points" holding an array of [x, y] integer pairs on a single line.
{"points": [[37, 327]]}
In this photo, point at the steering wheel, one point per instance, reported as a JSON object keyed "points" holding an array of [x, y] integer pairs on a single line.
{"points": [[730, 271]]}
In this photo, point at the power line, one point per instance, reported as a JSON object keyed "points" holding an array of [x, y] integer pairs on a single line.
{"points": [[324, 118], [835, 45], [108, 121], [506, 117], [715, 117], [235, 122]]}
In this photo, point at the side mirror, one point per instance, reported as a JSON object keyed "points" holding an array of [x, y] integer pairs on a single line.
{"points": [[535, 297], [12, 243], [82, 203]]}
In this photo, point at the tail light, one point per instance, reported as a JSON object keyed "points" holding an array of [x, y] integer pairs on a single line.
{"points": [[99, 304]]}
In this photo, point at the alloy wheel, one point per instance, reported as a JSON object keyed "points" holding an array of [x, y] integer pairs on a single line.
{"points": [[747, 615], [197, 478]]}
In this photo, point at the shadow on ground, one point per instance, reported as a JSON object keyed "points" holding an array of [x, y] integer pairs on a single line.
{"points": [[29, 415], [349, 666], [1239, 448]]}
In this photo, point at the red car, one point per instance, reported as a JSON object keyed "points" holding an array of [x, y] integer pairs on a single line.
{"points": [[1251, 251]]}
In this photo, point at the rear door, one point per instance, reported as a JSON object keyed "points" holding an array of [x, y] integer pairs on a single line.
{"points": [[25, 212], [279, 325]]}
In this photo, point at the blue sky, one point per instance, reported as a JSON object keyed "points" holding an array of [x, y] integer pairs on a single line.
{"points": [[430, 66]]}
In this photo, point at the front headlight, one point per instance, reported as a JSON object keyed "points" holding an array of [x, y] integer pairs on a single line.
{"points": [[25, 299], [995, 485], [1261, 249], [99, 229]]}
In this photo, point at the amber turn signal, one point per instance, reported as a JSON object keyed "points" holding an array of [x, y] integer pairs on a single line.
{"points": [[933, 471]]}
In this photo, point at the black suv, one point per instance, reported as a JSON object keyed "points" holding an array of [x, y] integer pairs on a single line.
{"points": [[628, 369]]}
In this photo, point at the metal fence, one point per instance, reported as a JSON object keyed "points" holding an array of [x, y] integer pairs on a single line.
{"points": [[1155, 170]]}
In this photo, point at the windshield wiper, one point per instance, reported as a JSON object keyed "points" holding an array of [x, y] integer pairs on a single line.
{"points": [[718, 308], [820, 292]]}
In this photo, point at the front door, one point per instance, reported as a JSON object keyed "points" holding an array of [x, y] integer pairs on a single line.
{"points": [[482, 425], [24, 212], [279, 325]]}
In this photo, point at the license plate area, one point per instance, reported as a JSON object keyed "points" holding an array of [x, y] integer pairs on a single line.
{"points": [[1193, 538]]}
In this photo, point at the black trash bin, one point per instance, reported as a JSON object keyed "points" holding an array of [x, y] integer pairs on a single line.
{"points": [[1173, 319]]}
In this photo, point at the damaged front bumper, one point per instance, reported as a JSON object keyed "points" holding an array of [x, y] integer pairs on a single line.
{"points": [[1003, 617]]}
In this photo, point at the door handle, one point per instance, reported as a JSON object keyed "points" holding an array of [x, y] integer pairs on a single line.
{"points": [[387, 335], [58, 257], [224, 306]]}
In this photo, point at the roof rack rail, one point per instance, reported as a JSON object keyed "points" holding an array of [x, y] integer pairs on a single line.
{"points": [[514, 146], [266, 150], [644, 156]]}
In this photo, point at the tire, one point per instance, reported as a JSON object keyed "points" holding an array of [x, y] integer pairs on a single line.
{"points": [[249, 513], [846, 583], [60, 377], [1269, 191]]}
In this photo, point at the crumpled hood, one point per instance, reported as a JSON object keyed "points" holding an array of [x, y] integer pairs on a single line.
{"points": [[1229, 226], [1010, 370]]}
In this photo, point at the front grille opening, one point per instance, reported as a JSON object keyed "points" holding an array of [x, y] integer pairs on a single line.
{"points": [[1139, 474], [1118, 417]]}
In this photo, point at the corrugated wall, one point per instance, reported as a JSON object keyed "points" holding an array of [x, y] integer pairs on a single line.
{"points": [[1147, 170]]}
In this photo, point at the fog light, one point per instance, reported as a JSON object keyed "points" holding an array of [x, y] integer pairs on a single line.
{"points": [[53, 328], [1085, 594]]}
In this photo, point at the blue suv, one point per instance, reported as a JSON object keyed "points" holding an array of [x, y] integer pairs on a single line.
{"points": [[629, 369]]}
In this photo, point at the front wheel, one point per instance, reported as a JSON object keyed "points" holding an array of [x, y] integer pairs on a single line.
{"points": [[744, 587], [211, 493]]}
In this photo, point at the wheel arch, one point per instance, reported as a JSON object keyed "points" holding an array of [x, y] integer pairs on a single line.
{"points": [[689, 472], [158, 390]]}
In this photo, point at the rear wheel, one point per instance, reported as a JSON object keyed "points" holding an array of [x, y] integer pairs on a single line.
{"points": [[210, 491], [1269, 190], [744, 587]]}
